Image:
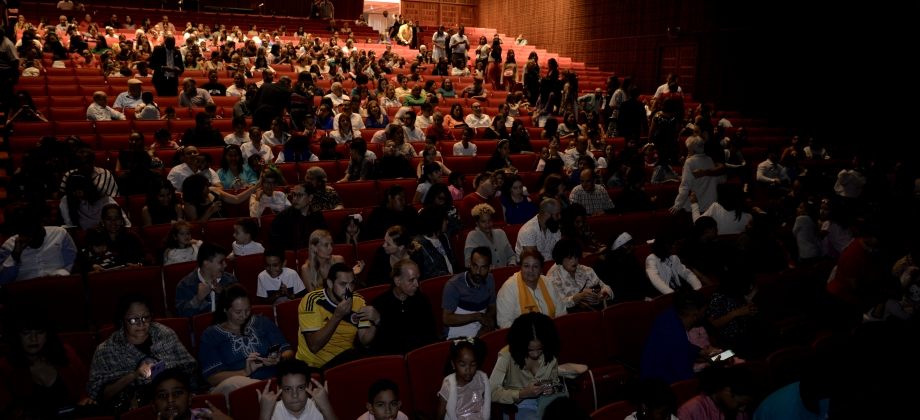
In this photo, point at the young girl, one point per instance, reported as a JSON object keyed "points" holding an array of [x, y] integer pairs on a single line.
{"points": [[170, 114], [256, 146], [278, 134], [161, 205], [350, 234], [651, 156], [179, 245], [430, 154], [465, 391], [480, 67], [96, 257], [243, 231], [239, 135], [455, 180], [431, 174], [164, 140]]}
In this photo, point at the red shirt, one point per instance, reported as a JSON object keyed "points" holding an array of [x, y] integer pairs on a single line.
{"points": [[445, 134], [474, 199], [854, 263]]}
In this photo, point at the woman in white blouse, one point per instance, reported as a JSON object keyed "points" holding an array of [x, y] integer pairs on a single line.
{"points": [[577, 284], [346, 133], [728, 212], [664, 268], [266, 198]]}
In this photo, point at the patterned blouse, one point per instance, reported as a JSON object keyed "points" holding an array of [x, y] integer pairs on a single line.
{"points": [[327, 199], [568, 287], [223, 351], [116, 358]]}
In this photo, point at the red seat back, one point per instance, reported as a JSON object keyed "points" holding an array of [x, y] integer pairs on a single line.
{"points": [[787, 365], [358, 193], [685, 390], [434, 289], [616, 411], [220, 232], [495, 341], [365, 252], [577, 332], [146, 413], [82, 343], [62, 297], [345, 381], [627, 325], [246, 270], [425, 375], [104, 290], [246, 400], [172, 275], [288, 322]]}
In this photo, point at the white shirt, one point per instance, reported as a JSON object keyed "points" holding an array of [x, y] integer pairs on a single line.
{"points": [[568, 286], [769, 172], [277, 202], [422, 121], [178, 174], [414, 134], [90, 215], [313, 158], [265, 151], [460, 71], [269, 138], [459, 150], [55, 257], [461, 47], [310, 412], [235, 91], [508, 121], [357, 122], [289, 277], [704, 187], [509, 308], [177, 255], [252, 247], [100, 113], [482, 120], [725, 219], [849, 183], [233, 139], [664, 88], [336, 100], [147, 111], [342, 138], [664, 274], [570, 159], [531, 235]]}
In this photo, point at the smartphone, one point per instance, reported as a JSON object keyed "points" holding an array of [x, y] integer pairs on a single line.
{"points": [[596, 288], [157, 368], [273, 350], [347, 294], [558, 388], [546, 382], [724, 355], [197, 411]]}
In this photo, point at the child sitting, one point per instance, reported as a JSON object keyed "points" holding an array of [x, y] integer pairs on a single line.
{"points": [[278, 283], [651, 156], [383, 402], [267, 198], [164, 139], [465, 392], [96, 257], [455, 185], [170, 114], [179, 245], [243, 231], [296, 389]]}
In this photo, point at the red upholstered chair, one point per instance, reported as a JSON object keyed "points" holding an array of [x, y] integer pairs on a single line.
{"points": [[146, 413], [82, 128], [495, 341], [345, 380], [182, 327], [246, 400], [579, 331], [82, 343], [68, 114], [512, 232], [220, 232], [105, 288], [57, 298], [434, 289], [246, 269], [358, 193], [149, 127], [365, 252], [616, 411], [787, 365], [425, 377], [113, 127], [288, 322], [660, 303], [502, 274], [332, 172], [68, 101], [384, 184], [627, 325], [334, 219], [831, 343], [178, 127], [371, 293], [465, 164]]}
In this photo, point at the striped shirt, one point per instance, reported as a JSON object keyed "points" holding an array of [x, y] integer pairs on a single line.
{"points": [[102, 179], [314, 312]]}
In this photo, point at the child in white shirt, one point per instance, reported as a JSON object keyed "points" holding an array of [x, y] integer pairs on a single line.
{"points": [[278, 283], [179, 245], [382, 396], [243, 231]]}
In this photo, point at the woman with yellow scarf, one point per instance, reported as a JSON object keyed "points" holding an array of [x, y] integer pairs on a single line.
{"points": [[528, 291]]}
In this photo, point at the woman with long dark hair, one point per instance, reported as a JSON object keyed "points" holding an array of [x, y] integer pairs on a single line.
{"points": [[665, 270], [234, 173], [665, 129], [161, 205], [527, 368]]}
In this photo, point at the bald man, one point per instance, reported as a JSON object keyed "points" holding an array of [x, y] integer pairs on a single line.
{"points": [[595, 200]]}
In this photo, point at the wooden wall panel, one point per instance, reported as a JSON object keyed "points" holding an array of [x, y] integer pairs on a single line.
{"points": [[441, 12]]}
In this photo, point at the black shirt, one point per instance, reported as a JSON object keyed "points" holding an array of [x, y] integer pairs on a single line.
{"points": [[203, 138], [215, 89], [405, 325]]}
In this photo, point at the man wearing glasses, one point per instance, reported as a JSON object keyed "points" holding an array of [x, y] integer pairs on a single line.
{"points": [[292, 227]]}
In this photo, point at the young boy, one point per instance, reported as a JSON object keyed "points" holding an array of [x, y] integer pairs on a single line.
{"points": [[383, 402], [296, 392], [96, 257], [278, 283], [243, 231]]}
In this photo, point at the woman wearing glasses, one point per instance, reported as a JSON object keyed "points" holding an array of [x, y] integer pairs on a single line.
{"points": [[120, 373]]}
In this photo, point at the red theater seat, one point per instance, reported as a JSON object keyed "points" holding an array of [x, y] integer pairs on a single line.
{"points": [[146, 413], [616, 411], [358, 193], [424, 376], [61, 297], [344, 380], [288, 322], [495, 341], [627, 325], [246, 400], [434, 289], [105, 288]]}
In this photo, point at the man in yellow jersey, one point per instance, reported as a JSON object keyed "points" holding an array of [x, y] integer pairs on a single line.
{"points": [[331, 317]]}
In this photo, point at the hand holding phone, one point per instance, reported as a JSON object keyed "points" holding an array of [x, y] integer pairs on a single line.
{"points": [[157, 368], [725, 355]]}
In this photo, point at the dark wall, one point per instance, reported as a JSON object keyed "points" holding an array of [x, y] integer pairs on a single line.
{"points": [[785, 60]]}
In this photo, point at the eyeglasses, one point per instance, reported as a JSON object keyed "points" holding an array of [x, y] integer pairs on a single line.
{"points": [[144, 319], [297, 195]]}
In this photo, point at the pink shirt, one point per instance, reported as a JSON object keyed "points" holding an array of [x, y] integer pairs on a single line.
{"points": [[701, 407], [455, 193]]}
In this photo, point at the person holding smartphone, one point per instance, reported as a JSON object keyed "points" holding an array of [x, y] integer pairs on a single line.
{"points": [[240, 348]]}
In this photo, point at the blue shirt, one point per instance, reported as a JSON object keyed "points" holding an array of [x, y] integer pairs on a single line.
{"points": [[520, 213], [247, 175], [462, 297], [786, 404], [187, 303], [668, 353], [370, 122], [224, 351]]}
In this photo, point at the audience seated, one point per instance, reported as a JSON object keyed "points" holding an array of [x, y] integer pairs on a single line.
{"points": [[502, 253], [99, 110], [406, 322], [292, 227], [240, 348], [653, 398], [197, 293], [102, 178], [298, 396], [528, 291], [527, 368], [542, 231], [484, 194], [330, 320], [664, 268], [392, 211], [121, 368], [668, 353], [436, 256], [578, 285]]}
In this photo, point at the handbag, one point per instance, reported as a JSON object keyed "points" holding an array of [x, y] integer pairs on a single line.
{"points": [[508, 73]]}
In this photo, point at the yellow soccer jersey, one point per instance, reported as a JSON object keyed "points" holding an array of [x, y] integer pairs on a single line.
{"points": [[314, 312]]}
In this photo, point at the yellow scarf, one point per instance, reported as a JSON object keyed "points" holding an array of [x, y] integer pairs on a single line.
{"points": [[526, 301]]}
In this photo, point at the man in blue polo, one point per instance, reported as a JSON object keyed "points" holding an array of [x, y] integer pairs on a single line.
{"points": [[468, 303]]}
